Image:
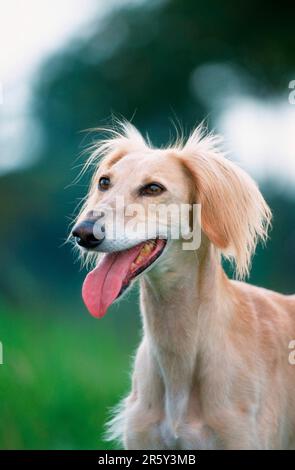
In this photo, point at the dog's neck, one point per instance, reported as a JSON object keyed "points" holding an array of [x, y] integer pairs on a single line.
{"points": [[181, 299], [180, 291]]}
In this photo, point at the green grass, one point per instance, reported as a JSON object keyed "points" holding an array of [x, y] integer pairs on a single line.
{"points": [[60, 377]]}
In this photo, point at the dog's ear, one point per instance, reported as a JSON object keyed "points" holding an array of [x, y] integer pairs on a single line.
{"points": [[234, 214]]}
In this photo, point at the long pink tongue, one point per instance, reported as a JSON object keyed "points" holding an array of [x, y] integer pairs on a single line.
{"points": [[102, 285]]}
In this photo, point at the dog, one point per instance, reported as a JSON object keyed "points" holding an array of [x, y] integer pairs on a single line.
{"points": [[212, 370]]}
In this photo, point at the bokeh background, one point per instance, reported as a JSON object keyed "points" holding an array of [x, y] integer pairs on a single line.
{"points": [[66, 67]]}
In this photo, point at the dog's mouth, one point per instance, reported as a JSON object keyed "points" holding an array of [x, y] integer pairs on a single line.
{"points": [[115, 272]]}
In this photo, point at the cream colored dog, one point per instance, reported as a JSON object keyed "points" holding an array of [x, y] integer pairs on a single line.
{"points": [[212, 369]]}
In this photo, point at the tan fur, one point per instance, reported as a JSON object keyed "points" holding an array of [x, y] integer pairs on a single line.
{"points": [[212, 369]]}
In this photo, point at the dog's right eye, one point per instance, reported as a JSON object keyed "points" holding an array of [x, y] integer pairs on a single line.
{"points": [[104, 183]]}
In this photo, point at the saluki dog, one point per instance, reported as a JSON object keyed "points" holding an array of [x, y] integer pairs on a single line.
{"points": [[213, 369]]}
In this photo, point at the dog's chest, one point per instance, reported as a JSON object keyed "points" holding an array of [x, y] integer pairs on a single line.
{"points": [[187, 436], [159, 435], [146, 430]]}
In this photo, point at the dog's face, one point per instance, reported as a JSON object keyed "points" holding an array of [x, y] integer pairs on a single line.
{"points": [[143, 185], [129, 216], [127, 213]]}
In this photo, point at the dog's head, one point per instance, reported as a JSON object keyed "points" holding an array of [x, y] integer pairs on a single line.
{"points": [[137, 208]]}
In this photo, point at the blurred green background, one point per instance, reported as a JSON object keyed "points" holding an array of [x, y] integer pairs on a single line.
{"points": [[149, 61]]}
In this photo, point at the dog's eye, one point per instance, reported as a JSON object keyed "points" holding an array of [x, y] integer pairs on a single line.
{"points": [[104, 183], [152, 189]]}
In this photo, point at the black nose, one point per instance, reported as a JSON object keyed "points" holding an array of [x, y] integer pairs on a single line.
{"points": [[83, 232]]}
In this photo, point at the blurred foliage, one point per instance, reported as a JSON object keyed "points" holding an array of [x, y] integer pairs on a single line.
{"points": [[62, 369], [58, 381]]}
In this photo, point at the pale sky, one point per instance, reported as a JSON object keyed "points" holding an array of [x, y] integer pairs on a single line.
{"points": [[259, 133], [30, 30]]}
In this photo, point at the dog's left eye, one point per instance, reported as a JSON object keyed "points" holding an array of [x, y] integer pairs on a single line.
{"points": [[151, 189], [104, 183]]}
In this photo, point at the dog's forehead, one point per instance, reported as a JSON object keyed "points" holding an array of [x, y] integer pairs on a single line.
{"points": [[143, 162]]}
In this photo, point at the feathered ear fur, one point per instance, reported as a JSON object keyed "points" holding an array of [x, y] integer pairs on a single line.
{"points": [[121, 139], [234, 214]]}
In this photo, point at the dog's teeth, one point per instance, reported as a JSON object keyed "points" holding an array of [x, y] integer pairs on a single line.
{"points": [[133, 266], [144, 252], [139, 259], [146, 249]]}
